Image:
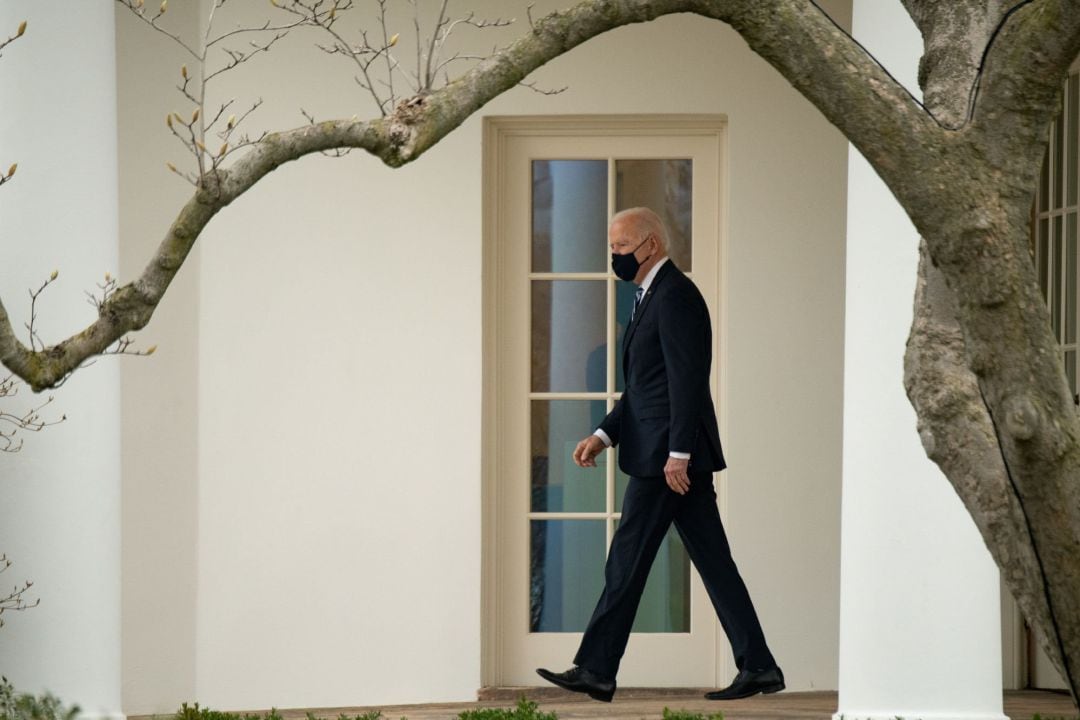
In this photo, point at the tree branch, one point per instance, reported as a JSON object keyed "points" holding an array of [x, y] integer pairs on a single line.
{"points": [[1024, 68], [821, 61]]}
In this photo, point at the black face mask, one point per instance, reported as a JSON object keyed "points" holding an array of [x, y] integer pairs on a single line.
{"points": [[626, 266]]}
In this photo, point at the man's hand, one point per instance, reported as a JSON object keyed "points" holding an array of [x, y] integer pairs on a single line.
{"points": [[586, 451], [676, 475]]}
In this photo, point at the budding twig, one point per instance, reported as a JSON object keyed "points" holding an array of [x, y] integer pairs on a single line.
{"points": [[193, 84], [10, 173], [34, 294], [137, 7], [14, 599], [123, 347], [12, 423], [107, 288], [18, 34]]}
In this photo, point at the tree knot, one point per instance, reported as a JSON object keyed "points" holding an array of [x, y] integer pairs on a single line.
{"points": [[1021, 417], [403, 121]]}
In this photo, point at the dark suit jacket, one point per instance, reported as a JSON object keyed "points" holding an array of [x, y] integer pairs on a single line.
{"points": [[666, 404]]}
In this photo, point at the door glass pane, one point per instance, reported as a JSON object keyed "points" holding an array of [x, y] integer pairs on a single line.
{"points": [[569, 336], [624, 306], [1055, 308], [558, 485], [1059, 157], [665, 604], [1044, 183], [1073, 105], [569, 215], [666, 187], [566, 573], [1044, 254], [1070, 280]]}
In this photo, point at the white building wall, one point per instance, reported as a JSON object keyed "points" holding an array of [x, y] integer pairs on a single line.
{"points": [[920, 632], [60, 496], [159, 394], [338, 397]]}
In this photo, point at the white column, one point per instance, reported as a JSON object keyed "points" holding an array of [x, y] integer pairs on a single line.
{"points": [[920, 632], [60, 496]]}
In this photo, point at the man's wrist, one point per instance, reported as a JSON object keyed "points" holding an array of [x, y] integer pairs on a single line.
{"points": [[679, 455], [603, 437]]}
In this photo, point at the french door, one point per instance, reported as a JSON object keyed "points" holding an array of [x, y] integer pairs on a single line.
{"points": [[559, 317]]}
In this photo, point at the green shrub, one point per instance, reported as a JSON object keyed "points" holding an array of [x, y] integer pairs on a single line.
{"points": [[194, 712], [31, 707], [525, 710], [670, 714]]}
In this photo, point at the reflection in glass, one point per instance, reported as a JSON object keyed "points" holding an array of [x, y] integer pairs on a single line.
{"points": [[624, 306], [566, 573], [665, 604], [569, 336], [666, 187], [558, 485], [569, 215]]}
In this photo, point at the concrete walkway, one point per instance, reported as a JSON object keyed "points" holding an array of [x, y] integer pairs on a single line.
{"points": [[638, 704]]}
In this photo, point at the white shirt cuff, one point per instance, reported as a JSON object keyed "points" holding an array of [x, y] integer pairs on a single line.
{"points": [[603, 437], [679, 455]]}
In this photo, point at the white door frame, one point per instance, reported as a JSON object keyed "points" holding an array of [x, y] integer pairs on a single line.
{"points": [[495, 133]]}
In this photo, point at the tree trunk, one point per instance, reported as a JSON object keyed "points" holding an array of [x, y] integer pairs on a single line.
{"points": [[982, 367]]}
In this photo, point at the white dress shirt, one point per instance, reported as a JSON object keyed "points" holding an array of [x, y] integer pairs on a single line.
{"points": [[645, 289]]}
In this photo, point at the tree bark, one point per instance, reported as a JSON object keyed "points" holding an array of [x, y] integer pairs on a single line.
{"points": [[983, 369], [955, 425]]}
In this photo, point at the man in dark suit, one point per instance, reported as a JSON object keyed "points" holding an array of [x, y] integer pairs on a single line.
{"points": [[665, 425]]}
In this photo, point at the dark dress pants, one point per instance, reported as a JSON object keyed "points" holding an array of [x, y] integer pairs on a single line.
{"points": [[649, 508]]}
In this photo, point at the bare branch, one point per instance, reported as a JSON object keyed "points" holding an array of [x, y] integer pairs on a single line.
{"points": [[107, 289], [429, 78], [12, 423], [34, 295], [265, 27], [14, 600], [137, 8], [878, 115], [532, 86], [388, 42], [237, 57], [363, 55]]}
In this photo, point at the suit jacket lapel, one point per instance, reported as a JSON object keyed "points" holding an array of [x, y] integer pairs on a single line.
{"points": [[660, 275]]}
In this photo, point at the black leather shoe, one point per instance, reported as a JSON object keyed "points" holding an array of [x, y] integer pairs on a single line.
{"points": [[578, 679], [750, 682]]}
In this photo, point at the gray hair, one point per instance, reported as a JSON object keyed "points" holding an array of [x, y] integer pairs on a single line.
{"points": [[645, 222]]}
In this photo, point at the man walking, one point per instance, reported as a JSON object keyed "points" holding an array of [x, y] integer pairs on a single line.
{"points": [[666, 426]]}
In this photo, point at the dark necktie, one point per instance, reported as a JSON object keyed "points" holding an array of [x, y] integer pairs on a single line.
{"points": [[637, 301]]}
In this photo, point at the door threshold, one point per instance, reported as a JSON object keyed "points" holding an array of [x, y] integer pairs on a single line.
{"points": [[504, 693]]}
